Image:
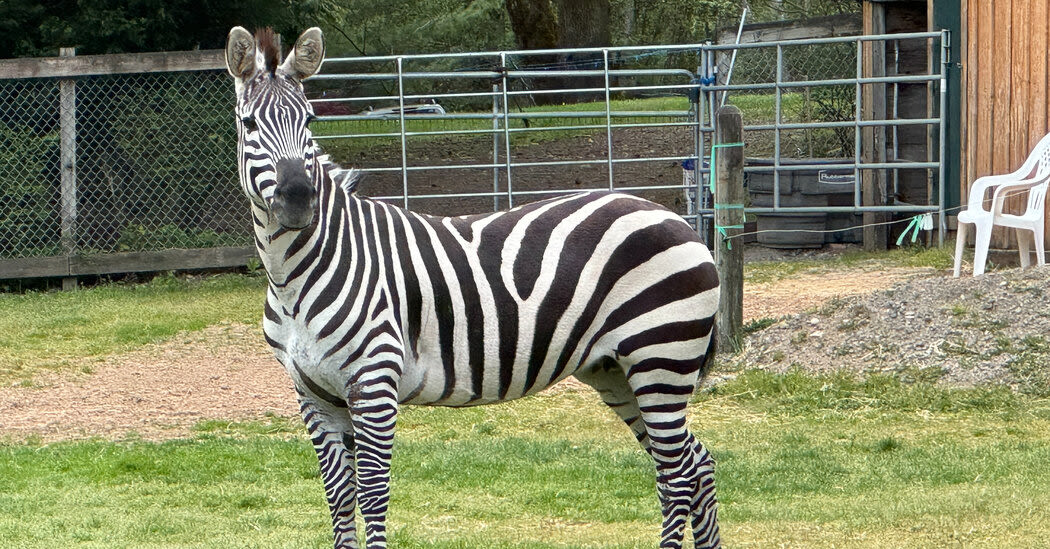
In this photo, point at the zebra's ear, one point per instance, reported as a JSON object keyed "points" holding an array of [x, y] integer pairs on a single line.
{"points": [[240, 53], [306, 56]]}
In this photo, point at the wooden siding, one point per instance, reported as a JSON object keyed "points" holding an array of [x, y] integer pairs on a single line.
{"points": [[1005, 75]]}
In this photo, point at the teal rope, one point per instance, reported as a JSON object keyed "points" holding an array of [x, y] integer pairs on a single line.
{"points": [[711, 182], [714, 149]]}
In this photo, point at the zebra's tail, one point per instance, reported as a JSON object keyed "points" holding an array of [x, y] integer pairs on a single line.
{"points": [[708, 359]]}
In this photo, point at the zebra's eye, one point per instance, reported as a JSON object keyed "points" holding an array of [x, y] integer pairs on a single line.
{"points": [[310, 118], [249, 123]]}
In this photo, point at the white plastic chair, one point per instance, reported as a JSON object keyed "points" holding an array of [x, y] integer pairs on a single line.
{"points": [[1033, 177]]}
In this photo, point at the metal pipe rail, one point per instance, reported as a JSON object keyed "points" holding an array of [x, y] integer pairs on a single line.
{"points": [[503, 77]]}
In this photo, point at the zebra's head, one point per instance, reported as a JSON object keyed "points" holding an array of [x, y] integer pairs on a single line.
{"points": [[274, 144]]}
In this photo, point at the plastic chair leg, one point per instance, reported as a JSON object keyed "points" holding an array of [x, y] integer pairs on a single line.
{"points": [[982, 239], [1040, 251], [960, 247], [1024, 247]]}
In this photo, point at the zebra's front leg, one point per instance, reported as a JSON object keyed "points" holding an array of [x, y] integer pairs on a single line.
{"points": [[374, 413], [331, 431]]}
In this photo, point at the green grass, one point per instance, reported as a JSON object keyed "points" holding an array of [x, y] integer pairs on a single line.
{"points": [[70, 330], [345, 148], [802, 461]]}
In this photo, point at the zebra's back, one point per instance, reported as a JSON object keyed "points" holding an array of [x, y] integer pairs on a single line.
{"points": [[497, 306]]}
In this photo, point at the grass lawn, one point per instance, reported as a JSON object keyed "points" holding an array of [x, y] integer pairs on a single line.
{"points": [[42, 331], [803, 461]]}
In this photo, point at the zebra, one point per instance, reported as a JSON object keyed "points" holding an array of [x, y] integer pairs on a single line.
{"points": [[370, 306]]}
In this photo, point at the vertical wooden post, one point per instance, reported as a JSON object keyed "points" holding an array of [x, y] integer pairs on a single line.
{"points": [[874, 182], [68, 159], [729, 222]]}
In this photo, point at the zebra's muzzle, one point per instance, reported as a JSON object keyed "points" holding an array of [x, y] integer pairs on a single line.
{"points": [[294, 198]]}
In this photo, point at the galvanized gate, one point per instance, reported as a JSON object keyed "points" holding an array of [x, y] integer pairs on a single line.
{"points": [[834, 127]]}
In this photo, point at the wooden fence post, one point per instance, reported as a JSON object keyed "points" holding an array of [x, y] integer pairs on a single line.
{"points": [[729, 222], [67, 119]]}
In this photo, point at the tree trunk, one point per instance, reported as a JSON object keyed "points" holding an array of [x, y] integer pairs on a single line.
{"points": [[534, 23]]}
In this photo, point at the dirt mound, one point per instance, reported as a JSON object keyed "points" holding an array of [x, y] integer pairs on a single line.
{"points": [[963, 331]]}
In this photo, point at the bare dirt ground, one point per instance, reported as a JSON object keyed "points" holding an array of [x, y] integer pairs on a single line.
{"points": [[227, 373]]}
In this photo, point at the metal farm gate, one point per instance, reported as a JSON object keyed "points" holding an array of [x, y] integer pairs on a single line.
{"points": [[835, 128]]}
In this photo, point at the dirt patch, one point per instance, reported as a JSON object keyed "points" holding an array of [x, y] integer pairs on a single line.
{"points": [[227, 372], [811, 290], [156, 392], [632, 145]]}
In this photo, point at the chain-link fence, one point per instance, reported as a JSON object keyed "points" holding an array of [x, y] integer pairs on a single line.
{"points": [[129, 162]]}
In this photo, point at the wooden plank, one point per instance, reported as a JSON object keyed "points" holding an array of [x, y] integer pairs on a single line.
{"points": [[1037, 88], [1019, 79], [969, 96], [1001, 65], [817, 27], [33, 267], [121, 63], [163, 260], [1037, 93], [985, 94], [873, 105]]}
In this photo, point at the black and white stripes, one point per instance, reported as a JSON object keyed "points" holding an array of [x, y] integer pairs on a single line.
{"points": [[370, 306]]}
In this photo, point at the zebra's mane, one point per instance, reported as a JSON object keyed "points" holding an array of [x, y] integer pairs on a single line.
{"points": [[347, 178], [266, 42]]}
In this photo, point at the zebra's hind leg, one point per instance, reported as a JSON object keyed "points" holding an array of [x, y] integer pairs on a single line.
{"points": [[331, 432], [685, 469], [704, 507], [685, 473], [608, 379]]}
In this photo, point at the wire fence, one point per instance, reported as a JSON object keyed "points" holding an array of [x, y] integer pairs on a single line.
{"points": [[96, 164], [150, 157]]}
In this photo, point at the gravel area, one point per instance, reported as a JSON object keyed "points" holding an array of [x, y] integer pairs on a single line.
{"points": [[963, 331]]}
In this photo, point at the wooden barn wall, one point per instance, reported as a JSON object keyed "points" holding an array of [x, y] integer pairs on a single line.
{"points": [[1006, 89]]}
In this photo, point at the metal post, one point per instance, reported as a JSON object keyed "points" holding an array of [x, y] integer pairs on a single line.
{"points": [[732, 60], [608, 119], [729, 221], [495, 147], [942, 146], [68, 157], [698, 140], [777, 97], [702, 224], [404, 140], [506, 127], [857, 139]]}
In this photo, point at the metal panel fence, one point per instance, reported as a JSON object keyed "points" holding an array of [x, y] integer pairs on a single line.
{"points": [[846, 113], [131, 166]]}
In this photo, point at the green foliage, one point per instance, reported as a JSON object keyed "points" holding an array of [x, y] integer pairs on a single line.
{"points": [[138, 238], [776, 10], [797, 391], [364, 27], [101, 26], [27, 217], [670, 21]]}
